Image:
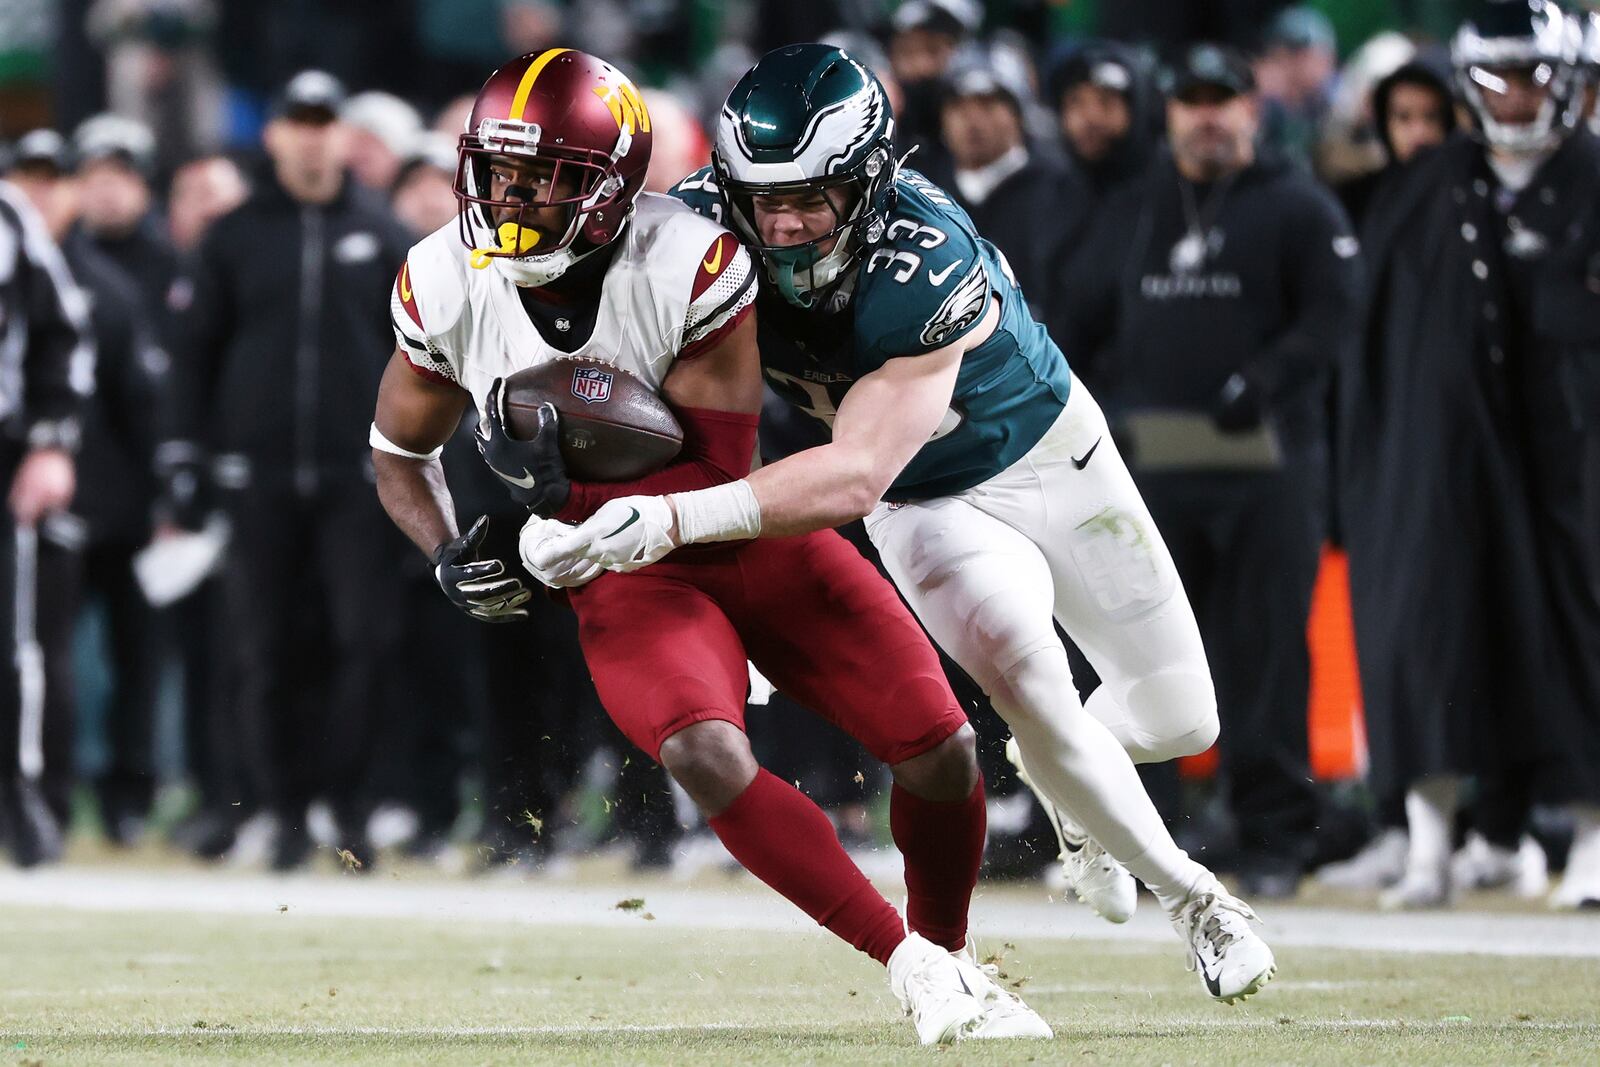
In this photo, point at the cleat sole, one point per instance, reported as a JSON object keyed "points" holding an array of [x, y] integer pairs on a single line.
{"points": [[1252, 989]]}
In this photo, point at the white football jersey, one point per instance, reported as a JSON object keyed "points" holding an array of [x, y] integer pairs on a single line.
{"points": [[678, 281]]}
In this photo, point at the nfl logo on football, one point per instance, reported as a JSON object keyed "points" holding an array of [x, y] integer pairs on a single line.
{"points": [[591, 385]]}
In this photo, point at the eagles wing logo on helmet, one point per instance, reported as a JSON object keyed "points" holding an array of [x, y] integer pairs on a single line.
{"points": [[867, 109]]}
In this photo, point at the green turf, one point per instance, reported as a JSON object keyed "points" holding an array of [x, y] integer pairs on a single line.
{"points": [[114, 989]]}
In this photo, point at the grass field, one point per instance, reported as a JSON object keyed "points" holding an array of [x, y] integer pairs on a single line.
{"points": [[90, 982]]}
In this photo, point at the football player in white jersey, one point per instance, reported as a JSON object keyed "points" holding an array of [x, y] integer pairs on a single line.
{"points": [[557, 253]]}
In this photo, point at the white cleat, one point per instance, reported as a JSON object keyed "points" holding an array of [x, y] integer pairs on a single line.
{"points": [[946, 997], [1580, 885], [1231, 958], [1093, 875], [1005, 1015], [1377, 866]]}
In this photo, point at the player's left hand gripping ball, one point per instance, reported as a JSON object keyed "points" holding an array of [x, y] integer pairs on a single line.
{"points": [[624, 535], [532, 470]]}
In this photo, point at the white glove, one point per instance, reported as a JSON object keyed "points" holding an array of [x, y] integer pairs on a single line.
{"points": [[624, 535], [567, 572]]}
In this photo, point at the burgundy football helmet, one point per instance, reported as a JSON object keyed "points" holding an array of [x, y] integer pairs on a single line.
{"points": [[564, 107]]}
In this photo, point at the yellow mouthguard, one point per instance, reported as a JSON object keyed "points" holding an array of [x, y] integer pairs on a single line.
{"points": [[514, 240]]}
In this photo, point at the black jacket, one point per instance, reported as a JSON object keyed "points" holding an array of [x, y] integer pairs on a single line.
{"points": [[1273, 299], [1459, 413], [116, 464], [147, 257], [46, 353], [280, 338], [1029, 217]]}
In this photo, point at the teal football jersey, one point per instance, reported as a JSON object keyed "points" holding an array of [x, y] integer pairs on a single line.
{"points": [[924, 285]]}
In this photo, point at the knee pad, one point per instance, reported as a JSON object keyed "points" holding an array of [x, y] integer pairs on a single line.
{"points": [[1174, 713]]}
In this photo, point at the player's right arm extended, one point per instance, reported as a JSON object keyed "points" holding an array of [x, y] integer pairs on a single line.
{"points": [[883, 421], [885, 418]]}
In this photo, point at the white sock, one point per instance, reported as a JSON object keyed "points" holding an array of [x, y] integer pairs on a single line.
{"points": [[1430, 815], [1076, 764]]}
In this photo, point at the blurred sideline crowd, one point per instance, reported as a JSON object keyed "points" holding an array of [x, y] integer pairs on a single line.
{"points": [[1330, 291]]}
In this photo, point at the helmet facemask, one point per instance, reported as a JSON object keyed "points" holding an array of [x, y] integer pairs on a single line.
{"points": [[506, 184], [1481, 84], [1536, 54], [807, 272]]}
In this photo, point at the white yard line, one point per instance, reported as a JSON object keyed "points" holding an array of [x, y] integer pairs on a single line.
{"points": [[998, 914], [602, 1029]]}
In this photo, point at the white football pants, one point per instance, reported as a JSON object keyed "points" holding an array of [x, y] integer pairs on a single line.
{"points": [[1063, 534]]}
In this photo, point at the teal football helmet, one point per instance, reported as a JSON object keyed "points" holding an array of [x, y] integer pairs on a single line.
{"points": [[808, 118]]}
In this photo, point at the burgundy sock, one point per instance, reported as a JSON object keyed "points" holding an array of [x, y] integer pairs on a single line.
{"points": [[785, 840], [943, 847]]}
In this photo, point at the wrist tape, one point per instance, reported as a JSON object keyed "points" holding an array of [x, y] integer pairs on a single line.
{"points": [[727, 512]]}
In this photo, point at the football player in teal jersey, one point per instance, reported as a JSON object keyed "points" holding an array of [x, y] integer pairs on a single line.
{"points": [[984, 470]]}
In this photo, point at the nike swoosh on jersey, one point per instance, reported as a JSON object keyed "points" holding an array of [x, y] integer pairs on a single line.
{"points": [[1084, 462], [630, 521], [939, 277], [715, 261]]}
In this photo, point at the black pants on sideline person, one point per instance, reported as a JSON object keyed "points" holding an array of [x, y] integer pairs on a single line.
{"points": [[1247, 547], [28, 828], [314, 611], [125, 788], [60, 579]]}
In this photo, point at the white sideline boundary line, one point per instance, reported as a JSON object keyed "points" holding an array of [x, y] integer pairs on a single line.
{"points": [[592, 1030], [998, 914]]}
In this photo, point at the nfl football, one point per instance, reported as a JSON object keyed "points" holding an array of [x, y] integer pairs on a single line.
{"points": [[613, 428]]}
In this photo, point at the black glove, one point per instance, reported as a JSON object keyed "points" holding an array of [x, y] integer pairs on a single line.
{"points": [[1238, 408], [533, 469], [481, 588], [186, 496]]}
